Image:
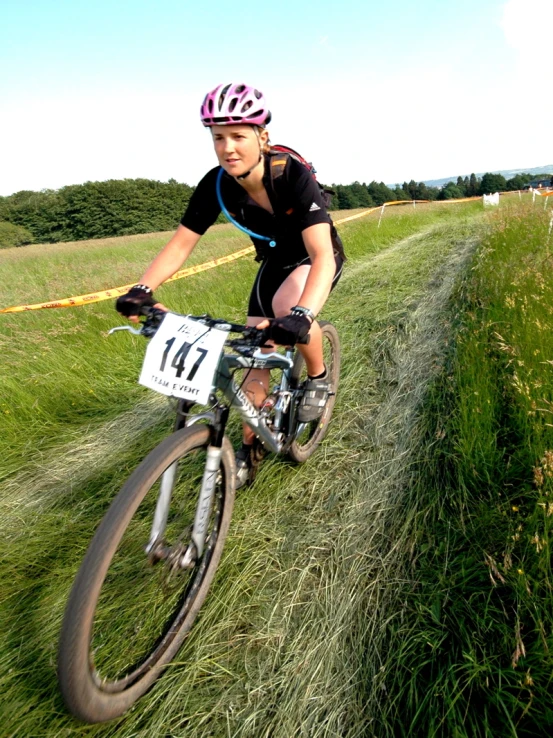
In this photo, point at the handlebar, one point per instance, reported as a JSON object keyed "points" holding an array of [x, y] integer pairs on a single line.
{"points": [[252, 336]]}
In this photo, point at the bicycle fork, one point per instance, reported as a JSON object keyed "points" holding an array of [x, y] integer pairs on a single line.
{"points": [[187, 557]]}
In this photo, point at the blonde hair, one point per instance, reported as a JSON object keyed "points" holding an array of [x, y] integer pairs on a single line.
{"points": [[266, 147]]}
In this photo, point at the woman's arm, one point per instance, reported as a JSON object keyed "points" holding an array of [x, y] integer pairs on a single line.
{"points": [[170, 258], [323, 266]]}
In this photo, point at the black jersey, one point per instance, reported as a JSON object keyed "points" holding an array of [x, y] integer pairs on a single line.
{"points": [[296, 201]]}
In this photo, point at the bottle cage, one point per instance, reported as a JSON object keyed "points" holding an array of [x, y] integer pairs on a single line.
{"points": [[228, 216]]}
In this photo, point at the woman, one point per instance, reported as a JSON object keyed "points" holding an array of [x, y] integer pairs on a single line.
{"points": [[275, 196]]}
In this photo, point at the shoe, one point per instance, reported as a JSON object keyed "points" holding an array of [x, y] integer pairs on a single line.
{"points": [[243, 463], [314, 399]]}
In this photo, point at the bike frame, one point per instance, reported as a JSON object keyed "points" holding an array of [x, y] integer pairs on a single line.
{"points": [[272, 440]]}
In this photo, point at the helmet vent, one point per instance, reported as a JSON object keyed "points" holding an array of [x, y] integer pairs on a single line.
{"points": [[222, 96]]}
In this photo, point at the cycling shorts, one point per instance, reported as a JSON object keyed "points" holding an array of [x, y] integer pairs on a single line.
{"points": [[269, 278]]}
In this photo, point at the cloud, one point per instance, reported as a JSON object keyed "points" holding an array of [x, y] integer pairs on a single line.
{"points": [[527, 25]]}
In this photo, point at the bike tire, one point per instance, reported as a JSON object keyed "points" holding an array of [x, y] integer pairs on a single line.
{"points": [[94, 611], [313, 433]]}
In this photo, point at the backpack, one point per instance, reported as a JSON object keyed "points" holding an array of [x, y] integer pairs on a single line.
{"points": [[278, 164], [279, 158]]}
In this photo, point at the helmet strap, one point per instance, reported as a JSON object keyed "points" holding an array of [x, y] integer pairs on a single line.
{"points": [[247, 174]]}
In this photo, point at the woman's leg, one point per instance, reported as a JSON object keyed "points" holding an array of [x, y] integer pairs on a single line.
{"points": [[256, 387], [286, 297]]}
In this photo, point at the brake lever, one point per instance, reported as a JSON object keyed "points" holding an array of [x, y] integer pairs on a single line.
{"points": [[135, 331]]}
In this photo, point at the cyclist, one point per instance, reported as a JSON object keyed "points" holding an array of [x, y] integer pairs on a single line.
{"points": [[301, 255]]}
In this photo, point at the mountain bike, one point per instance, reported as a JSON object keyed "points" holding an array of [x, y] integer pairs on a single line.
{"points": [[154, 555]]}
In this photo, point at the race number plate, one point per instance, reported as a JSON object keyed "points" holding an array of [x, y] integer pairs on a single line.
{"points": [[182, 357]]}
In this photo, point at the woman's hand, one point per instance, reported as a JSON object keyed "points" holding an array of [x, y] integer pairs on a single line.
{"points": [[158, 306], [289, 329], [137, 297]]}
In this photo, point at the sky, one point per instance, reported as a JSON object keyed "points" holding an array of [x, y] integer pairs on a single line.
{"points": [[111, 89]]}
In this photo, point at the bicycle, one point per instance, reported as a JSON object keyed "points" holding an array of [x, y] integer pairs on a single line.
{"points": [[164, 532]]}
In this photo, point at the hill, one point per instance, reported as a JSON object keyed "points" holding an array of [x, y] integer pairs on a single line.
{"points": [[507, 173]]}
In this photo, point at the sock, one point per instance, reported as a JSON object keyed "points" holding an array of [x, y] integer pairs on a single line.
{"points": [[319, 376], [243, 453]]}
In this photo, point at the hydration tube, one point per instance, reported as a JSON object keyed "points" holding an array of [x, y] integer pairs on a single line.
{"points": [[228, 216]]}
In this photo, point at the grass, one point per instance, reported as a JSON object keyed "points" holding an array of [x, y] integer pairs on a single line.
{"points": [[42, 272], [316, 622], [469, 653], [66, 375]]}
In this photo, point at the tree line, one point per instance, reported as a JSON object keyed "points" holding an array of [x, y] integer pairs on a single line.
{"points": [[92, 210], [129, 206], [359, 195]]}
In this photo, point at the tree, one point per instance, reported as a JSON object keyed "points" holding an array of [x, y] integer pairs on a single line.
{"points": [[13, 235], [419, 191], [422, 192], [492, 183], [380, 193], [473, 187], [520, 180], [450, 192], [98, 209], [361, 195], [345, 198], [516, 183], [400, 194]]}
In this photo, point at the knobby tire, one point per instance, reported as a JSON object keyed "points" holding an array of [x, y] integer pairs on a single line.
{"points": [[89, 694], [312, 435]]}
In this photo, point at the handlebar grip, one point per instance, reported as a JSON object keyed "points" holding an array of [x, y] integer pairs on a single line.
{"points": [[305, 340], [148, 310], [154, 316]]}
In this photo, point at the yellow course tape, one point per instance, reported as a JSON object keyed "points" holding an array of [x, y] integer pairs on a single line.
{"points": [[189, 271], [115, 291]]}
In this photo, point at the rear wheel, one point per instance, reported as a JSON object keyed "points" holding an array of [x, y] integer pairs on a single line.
{"points": [[310, 435], [129, 612]]}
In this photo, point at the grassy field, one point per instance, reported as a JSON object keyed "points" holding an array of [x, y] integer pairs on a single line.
{"points": [[316, 622], [471, 653]]}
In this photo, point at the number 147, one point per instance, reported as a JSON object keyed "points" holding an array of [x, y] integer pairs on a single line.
{"points": [[179, 358]]}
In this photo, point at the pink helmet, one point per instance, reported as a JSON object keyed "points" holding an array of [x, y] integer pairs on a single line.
{"points": [[235, 104]]}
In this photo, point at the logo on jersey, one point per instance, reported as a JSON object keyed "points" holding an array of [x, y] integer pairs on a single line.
{"points": [[314, 207]]}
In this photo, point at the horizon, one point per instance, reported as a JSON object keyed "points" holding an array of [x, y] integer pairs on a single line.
{"points": [[428, 182], [91, 93]]}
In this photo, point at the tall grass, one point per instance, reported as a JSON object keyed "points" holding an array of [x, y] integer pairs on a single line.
{"points": [[469, 654], [63, 374], [311, 569]]}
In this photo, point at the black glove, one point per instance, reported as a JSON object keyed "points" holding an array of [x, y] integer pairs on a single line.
{"points": [[290, 329], [136, 297]]}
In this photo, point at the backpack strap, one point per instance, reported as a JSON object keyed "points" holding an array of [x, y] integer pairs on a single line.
{"points": [[292, 152], [278, 159], [277, 164]]}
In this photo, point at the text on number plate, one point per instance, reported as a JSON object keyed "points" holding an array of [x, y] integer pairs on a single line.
{"points": [[181, 358]]}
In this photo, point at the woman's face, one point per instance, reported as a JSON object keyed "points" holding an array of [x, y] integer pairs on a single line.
{"points": [[237, 147]]}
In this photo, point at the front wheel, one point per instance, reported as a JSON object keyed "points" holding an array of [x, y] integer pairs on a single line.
{"points": [[129, 612], [309, 435]]}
